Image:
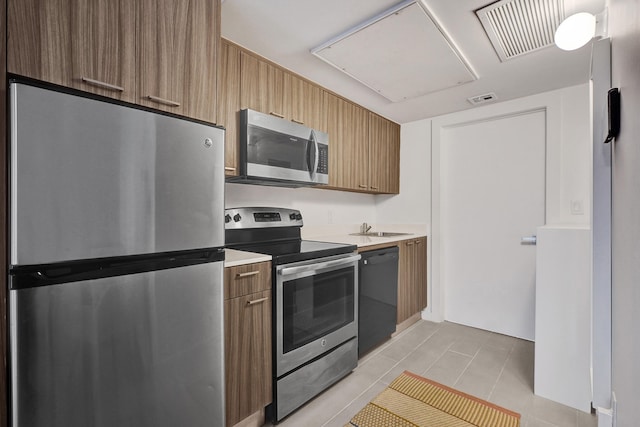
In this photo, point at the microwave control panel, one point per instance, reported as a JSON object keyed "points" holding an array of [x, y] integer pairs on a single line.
{"points": [[323, 161]]}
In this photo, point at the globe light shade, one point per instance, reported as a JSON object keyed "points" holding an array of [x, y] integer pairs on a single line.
{"points": [[575, 31]]}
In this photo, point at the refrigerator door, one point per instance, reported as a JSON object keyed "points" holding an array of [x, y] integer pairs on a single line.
{"points": [[93, 179], [141, 350]]}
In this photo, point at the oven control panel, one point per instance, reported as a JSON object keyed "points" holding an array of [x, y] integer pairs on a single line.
{"points": [[261, 217]]}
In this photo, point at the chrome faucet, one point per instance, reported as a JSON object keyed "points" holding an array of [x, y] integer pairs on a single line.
{"points": [[364, 228]]}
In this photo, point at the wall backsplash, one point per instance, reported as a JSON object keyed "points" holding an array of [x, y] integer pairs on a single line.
{"points": [[319, 207]]}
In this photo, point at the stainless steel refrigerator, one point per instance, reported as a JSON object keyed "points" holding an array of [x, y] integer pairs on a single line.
{"points": [[116, 263]]}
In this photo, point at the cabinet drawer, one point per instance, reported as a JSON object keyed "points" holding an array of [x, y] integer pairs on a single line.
{"points": [[246, 279]]}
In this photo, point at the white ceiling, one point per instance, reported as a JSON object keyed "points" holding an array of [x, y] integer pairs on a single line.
{"points": [[285, 31]]}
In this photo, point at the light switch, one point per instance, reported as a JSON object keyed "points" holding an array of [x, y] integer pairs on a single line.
{"points": [[576, 207]]}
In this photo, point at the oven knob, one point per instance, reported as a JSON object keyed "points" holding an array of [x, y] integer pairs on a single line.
{"points": [[227, 218], [292, 216], [237, 217], [298, 217]]}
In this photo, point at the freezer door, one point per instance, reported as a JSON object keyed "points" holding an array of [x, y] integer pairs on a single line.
{"points": [[94, 179], [143, 350]]}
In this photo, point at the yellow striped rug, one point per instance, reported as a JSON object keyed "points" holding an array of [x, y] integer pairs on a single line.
{"points": [[411, 401]]}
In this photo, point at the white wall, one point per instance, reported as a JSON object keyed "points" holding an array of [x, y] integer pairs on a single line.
{"points": [[319, 207], [624, 30]]}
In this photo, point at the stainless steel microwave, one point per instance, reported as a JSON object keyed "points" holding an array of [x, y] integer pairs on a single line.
{"points": [[275, 151]]}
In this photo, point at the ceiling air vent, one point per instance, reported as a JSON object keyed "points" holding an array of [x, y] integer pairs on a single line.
{"points": [[517, 27], [481, 99]]}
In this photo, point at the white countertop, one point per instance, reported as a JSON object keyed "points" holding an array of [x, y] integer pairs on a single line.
{"points": [[234, 258], [363, 241]]}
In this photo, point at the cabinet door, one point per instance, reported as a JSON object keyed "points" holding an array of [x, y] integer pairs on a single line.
{"points": [[384, 155], [303, 102], [261, 86], [412, 277], [85, 44], [405, 264], [177, 46], [103, 48], [228, 110], [39, 42], [247, 355], [348, 151]]}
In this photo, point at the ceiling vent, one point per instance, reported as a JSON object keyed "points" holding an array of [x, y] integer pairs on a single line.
{"points": [[401, 54], [517, 27], [482, 99]]}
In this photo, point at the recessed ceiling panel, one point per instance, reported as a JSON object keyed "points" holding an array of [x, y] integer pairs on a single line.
{"points": [[401, 54]]}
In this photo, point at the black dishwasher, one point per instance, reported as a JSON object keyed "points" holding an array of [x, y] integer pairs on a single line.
{"points": [[378, 297]]}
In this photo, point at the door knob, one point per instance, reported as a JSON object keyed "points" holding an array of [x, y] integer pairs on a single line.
{"points": [[528, 240]]}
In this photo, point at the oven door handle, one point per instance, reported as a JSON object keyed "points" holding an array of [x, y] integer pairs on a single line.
{"points": [[319, 266]]}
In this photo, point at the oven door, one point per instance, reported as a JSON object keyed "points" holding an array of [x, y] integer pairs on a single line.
{"points": [[316, 308]]}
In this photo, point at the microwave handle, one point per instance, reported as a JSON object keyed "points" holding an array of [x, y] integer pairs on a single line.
{"points": [[319, 266], [313, 155]]}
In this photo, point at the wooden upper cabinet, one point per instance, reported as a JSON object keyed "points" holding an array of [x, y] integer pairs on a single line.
{"points": [[157, 53], [384, 155], [348, 151], [177, 46], [84, 44], [303, 102], [103, 48], [261, 86], [229, 104]]}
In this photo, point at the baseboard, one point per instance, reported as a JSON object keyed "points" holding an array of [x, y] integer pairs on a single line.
{"points": [[605, 417], [404, 325]]}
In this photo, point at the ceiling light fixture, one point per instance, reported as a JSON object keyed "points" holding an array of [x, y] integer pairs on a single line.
{"points": [[579, 29]]}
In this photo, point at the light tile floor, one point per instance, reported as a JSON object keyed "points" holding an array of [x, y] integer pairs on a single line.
{"points": [[490, 366]]}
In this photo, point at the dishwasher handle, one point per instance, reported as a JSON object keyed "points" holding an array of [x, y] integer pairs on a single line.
{"points": [[319, 266]]}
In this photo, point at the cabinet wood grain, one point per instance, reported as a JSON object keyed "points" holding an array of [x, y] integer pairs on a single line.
{"points": [[247, 355], [84, 44], [177, 48], [103, 47], [303, 102], [228, 111], [39, 39], [261, 86], [412, 277], [384, 155], [247, 279], [247, 314], [348, 153]]}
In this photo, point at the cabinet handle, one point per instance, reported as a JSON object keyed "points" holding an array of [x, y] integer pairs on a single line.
{"points": [[273, 113], [374, 188], [229, 169], [362, 186], [257, 301], [247, 274], [409, 243], [163, 101], [103, 85], [297, 121], [418, 242]]}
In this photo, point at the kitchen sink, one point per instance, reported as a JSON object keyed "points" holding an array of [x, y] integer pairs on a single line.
{"points": [[379, 234]]}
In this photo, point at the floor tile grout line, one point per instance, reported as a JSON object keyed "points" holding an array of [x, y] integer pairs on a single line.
{"points": [[501, 372], [466, 367]]}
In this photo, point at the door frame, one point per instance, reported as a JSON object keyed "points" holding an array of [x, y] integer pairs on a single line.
{"points": [[551, 104]]}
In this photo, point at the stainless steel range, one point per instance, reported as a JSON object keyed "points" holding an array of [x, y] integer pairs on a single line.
{"points": [[315, 303]]}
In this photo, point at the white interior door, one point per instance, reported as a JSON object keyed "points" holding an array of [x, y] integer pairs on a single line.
{"points": [[492, 195]]}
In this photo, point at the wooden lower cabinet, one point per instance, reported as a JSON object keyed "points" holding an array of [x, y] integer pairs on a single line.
{"points": [[247, 320], [412, 277]]}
